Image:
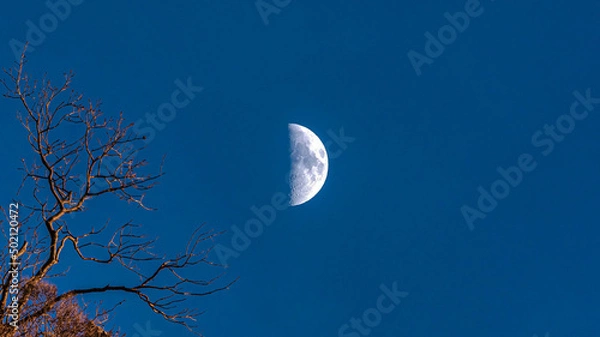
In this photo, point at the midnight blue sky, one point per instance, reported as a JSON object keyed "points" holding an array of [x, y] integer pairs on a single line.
{"points": [[390, 208]]}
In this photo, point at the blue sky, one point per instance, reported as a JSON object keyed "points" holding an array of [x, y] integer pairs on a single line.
{"points": [[390, 210]]}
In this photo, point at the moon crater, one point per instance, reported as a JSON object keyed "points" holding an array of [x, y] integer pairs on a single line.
{"points": [[309, 164]]}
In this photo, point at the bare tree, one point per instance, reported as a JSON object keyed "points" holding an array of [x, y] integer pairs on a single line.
{"points": [[79, 154]]}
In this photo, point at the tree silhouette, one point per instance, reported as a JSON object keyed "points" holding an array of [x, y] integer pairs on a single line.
{"points": [[79, 154]]}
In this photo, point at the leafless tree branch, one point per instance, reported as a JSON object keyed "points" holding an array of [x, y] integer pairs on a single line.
{"points": [[80, 154]]}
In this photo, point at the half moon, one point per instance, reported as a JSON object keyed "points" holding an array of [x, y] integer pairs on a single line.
{"points": [[309, 164]]}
